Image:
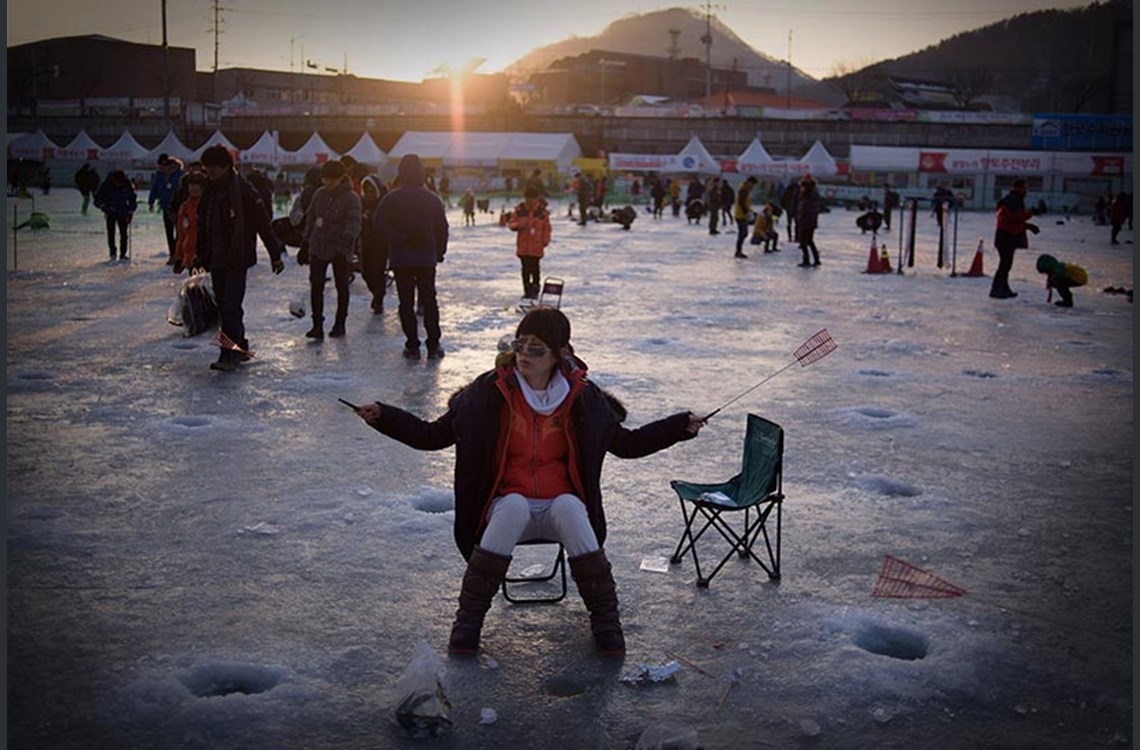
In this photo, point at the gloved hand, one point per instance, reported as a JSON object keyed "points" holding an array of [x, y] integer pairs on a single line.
{"points": [[277, 264], [303, 254], [1033, 228], [177, 268], [439, 259]]}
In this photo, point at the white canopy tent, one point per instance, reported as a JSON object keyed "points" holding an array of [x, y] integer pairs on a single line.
{"points": [[266, 151], [216, 138], [755, 160], [125, 149], [694, 157], [818, 162], [37, 147], [482, 150], [367, 152], [81, 148], [315, 151], [172, 146]]}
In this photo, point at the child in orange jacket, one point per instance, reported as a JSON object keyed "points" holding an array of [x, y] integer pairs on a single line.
{"points": [[531, 221], [186, 225]]}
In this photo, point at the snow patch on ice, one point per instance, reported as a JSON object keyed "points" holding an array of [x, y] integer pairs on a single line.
{"points": [[433, 500]]}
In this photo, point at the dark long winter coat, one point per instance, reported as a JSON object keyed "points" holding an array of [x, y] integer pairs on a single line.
{"points": [[231, 217], [472, 424], [410, 220]]}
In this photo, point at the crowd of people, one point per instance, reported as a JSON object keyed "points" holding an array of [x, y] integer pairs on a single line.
{"points": [[347, 220]]}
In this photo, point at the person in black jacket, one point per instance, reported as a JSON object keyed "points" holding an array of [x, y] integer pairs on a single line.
{"points": [[373, 252], [530, 437], [412, 225], [231, 217]]}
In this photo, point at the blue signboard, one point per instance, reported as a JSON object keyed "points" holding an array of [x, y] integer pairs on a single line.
{"points": [[1082, 132]]}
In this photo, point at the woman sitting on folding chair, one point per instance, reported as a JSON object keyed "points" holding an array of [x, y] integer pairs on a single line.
{"points": [[530, 437]]}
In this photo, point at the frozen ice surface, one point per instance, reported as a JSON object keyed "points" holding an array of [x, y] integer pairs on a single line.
{"points": [[209, 560]]}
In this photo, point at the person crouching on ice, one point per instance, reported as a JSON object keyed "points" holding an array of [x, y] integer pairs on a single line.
{"points": [[530, 437]]}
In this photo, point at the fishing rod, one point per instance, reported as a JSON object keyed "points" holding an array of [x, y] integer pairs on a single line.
{"points": [[813, 350]]}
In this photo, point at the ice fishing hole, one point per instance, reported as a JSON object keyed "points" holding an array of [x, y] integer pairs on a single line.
{"points": [[34, 376], [870, 411], [565, 687], [191, 421], [218, 680], [896, 643]]}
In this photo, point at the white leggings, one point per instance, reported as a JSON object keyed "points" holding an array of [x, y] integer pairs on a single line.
{"points": [[514, 518]]}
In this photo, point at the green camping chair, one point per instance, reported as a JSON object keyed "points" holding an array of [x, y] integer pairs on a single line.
{"points": [[757, 490]]}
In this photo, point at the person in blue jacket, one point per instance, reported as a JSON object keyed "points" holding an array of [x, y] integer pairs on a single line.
{"points": [[163, 187], [411, 223], [117, 199]]}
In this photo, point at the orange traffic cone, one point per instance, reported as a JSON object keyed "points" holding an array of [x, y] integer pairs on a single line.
{"points": [[976, 266], [874, 265], [885, 258]]}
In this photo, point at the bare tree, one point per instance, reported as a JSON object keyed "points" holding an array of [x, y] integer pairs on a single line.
{"points": [[858, 82], [970, 84]]}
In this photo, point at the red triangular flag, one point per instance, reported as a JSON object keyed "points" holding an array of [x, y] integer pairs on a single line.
{"points": [[901, 580]]}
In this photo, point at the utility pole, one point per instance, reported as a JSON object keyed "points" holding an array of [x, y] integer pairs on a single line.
{"points": [[788, 89], [217, 29], [707, 39], [165, 71]]}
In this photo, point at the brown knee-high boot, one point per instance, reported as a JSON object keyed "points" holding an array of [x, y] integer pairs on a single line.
{"points": [[596, 585], [485, 572]]}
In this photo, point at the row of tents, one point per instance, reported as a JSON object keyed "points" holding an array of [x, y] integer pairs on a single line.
{"points": [[266, 151], [559, 153], [549, 152]]}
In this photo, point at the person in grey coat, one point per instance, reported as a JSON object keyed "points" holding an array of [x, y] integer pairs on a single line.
{"points": [[412, 225], [332, 225]]}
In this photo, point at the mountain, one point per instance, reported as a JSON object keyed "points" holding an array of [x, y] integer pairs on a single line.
{"points": [[1046, 61], [650, 34]]}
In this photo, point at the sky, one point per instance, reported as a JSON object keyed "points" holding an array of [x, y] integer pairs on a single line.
{"points": [[407, 41], [174, 532]]}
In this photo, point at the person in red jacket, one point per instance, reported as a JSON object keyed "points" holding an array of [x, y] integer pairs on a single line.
{"points": [[530, 437], [1012, 223], [1117, 213], [186, 241], [531, 222]]}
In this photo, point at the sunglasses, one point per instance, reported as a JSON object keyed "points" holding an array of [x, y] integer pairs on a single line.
{"points": [[520, 346]]}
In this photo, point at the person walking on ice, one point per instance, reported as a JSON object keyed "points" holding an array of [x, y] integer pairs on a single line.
{"points": [[530, 437]]}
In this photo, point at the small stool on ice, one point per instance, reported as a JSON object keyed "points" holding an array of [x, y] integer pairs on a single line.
{"points": [[552, 288]]}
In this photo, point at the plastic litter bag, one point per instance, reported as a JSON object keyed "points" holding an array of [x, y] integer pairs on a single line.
{"points": [[195, 308], [422, 708]]}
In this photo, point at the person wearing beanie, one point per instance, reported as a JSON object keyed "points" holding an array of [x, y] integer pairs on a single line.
{"points": [[117, 199], [1062, 277], [530, 437], [230, 219], [412, 225], [530, 220], [1012, 224], [332, 225], [808, 207]]}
